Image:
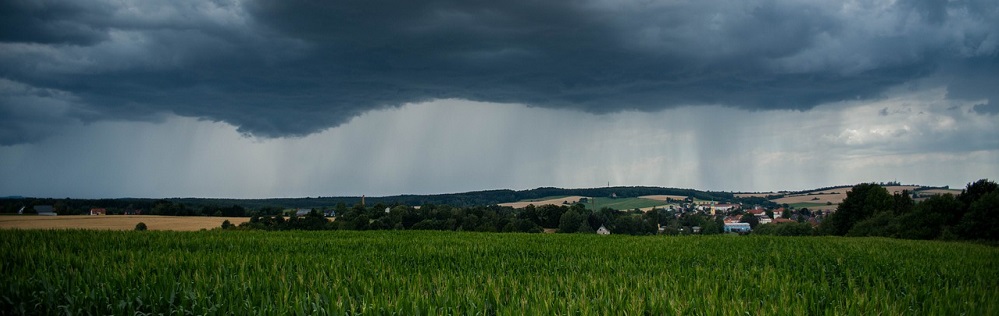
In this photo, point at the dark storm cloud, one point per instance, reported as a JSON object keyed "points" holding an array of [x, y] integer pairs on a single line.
{"points": [[48, 22], [284, 68]]}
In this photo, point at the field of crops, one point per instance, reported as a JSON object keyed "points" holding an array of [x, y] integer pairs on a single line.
{"points": [[622, 203], [419, 273], [813, 206]]}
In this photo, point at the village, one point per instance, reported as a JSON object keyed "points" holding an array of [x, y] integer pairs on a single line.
{"points": [[630, 213]]}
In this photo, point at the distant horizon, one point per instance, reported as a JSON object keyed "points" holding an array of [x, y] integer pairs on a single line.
{"points": [[951, 187]]}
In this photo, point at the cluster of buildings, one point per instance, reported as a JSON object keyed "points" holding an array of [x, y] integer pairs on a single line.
{"points": [[735, 223], [49, 210]]}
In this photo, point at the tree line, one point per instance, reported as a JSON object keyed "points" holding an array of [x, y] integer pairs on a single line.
{"points": [[870, 210], [531, 219]]}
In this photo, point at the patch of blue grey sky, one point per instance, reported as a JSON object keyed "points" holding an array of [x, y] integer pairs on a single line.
{"points": [[300, 98]]}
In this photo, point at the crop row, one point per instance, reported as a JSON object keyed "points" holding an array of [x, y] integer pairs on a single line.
{"points": [[418, 273]]}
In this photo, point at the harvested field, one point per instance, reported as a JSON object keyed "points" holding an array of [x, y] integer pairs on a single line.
{"points": [[835, 196], [939, 192], [899, 188], [552, 201], [818, 198], [116, 222]]}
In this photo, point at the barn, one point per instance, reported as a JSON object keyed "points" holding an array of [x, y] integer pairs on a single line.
{"points": [[45, 210]]}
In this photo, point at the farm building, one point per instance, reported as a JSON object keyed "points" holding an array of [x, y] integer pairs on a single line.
{"points": [[303, 211], [779, 212], [98, 211], [603, 230], [732, 219], [737, 228], [45, 210], [725, 207]]}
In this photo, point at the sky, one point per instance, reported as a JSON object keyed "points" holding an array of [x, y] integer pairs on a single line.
{"points": [[261, 98]]}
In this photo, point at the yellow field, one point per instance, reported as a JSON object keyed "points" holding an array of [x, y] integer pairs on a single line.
{"points": [[559, 201], [116, 222], [940, 192], [835, 196]]}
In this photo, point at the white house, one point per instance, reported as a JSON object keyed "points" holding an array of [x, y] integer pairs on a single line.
{"points": [[725, 207], [737, 228], [45, 210], [603, 230], [779, 212]]}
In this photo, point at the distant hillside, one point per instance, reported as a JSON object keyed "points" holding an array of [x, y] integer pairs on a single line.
{"points": [[476, 198], [829, 198]]}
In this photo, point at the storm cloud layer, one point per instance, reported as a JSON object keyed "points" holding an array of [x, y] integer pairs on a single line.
{"points": [[293, 68]]}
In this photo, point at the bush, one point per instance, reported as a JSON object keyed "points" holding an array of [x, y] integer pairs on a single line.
{"points": [[141, 226]]}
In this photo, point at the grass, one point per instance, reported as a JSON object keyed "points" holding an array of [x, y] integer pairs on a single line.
{"points": [[622, 203], [545, 198], [419, 273], [808, 205]]}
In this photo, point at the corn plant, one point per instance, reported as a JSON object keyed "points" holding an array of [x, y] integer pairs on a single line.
{"points": [[433, 273]]}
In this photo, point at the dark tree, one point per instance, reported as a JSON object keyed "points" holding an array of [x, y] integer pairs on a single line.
{"points": [[862, 202], [751, 220], [570, 220], [903, 202], [976, 190], [882, 224], [550, 215], [981, 222], [930, 217]]}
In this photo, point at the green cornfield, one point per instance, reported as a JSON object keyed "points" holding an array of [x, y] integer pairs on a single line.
{"points": [[75, 272]]}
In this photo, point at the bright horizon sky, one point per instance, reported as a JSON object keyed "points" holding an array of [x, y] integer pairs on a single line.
{"points": [[259, 99]]}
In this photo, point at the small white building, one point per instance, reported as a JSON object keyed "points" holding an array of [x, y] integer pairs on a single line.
{"points": [[737, 228], [725, 207], [603, 230], [44, 210]]}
